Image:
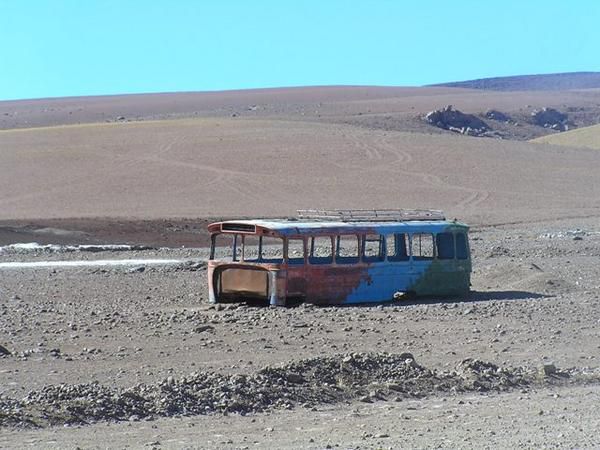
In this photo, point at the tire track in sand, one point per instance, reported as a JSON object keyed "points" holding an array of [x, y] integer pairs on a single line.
{"points": [[227, 179], [379, 145]]}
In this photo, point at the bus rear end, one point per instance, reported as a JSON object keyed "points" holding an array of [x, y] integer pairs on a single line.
{"points": [[246, 264]]}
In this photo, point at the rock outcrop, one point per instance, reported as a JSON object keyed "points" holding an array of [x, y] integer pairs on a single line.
{"points": [[494, 114], [451, 119], [550, 118]]}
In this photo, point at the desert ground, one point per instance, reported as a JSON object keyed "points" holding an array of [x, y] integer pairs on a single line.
{"points": [[134, 356], [587, 137]]}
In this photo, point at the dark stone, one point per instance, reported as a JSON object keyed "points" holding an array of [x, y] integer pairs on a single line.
{"points": [[457, 121], [494, 114], [550, 118], [295, 378], [203, 328]]}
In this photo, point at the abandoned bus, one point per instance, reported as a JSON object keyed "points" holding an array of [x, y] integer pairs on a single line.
{"points": [[339, 257]]}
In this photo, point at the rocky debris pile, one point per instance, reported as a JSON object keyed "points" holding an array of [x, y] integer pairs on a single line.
{"points": [[576, 234], [331, 379], [550, 118], [494, 114], [451, 119], [484, 376]]}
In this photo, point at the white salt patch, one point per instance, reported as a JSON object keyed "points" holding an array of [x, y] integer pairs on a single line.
{"points": [[31, 247], [95, 263]]}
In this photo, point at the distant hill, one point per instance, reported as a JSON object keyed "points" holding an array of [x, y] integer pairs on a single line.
{"points": [[583, 137], [547, 82]]}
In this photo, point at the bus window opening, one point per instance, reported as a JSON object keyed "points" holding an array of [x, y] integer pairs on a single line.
{"points": [[462, 251], [373, 248], [445, 245], [225, 247], [397, 247], [422, 246], [295, 251], [346, 250], [320, 250], [271, 250]]}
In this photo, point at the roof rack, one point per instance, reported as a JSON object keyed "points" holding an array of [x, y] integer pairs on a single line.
{"points": [[371, 215]]}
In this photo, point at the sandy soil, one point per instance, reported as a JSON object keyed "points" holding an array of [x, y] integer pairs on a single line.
{"points": [[239, 167], [587, 137], [308, 145], [144, 179]]}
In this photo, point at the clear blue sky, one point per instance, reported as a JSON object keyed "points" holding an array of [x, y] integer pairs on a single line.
{"points": [[52, 48]]}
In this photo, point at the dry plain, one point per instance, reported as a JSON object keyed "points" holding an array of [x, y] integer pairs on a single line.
{"points": [[168, 163]]}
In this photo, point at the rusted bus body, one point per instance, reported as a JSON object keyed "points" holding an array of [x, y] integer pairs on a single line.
{"points": [[424, 258]]}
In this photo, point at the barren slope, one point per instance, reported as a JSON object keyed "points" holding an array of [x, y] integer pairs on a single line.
{"points": [[588, 137], [234, 166], [367, 105], [542, 82]]}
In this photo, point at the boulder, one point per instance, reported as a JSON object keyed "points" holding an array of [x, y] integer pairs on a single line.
{"points": [[550, 118], [547, 370], [494, 114], [454, 120]]}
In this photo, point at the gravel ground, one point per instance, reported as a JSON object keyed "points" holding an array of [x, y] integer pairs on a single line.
{"points": [[564, 418], [131, 339]]}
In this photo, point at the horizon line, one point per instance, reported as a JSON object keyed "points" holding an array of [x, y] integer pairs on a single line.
{"points": [[301, 86]]}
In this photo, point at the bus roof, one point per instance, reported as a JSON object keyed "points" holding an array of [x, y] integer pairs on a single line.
{"points": [[287, 227]]}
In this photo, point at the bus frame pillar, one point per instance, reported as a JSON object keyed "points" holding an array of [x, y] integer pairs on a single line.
{"points": [[274, 298]]}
